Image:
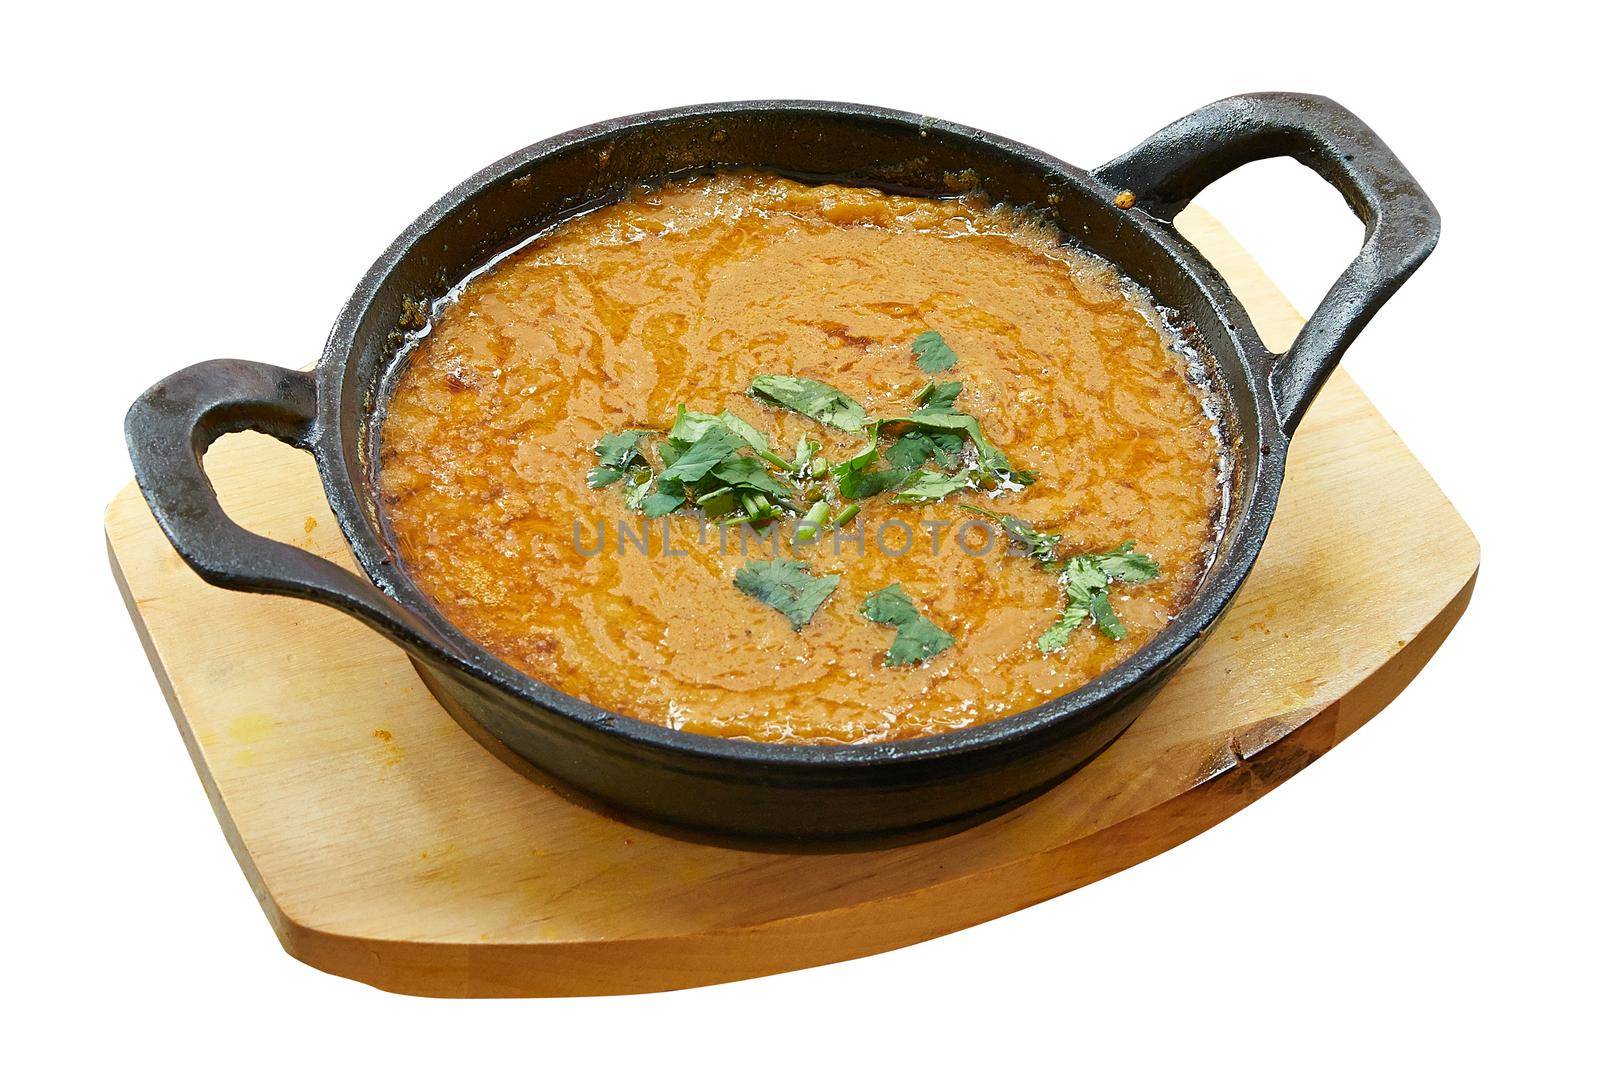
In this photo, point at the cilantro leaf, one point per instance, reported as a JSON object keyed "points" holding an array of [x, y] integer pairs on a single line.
{"points": [[749, 474], [690, 426], [805, 453], [1087, 580], [925, 487], [668, 497], [640, 481], [991, 463], [864, 484], [1041, 547], [863, 459], [704, 461], [937, 396], [1105, 617], [616, 453], [915, 447], [890, 606], [786, 585], [755, 439], [743, 430], [915, 638], [714, 445], [1061, 630], [855, 478], [933, 355], [812, 399], [1126, 565]]}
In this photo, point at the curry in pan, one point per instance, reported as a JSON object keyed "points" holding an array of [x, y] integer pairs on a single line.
{"points": [[802, 463]]}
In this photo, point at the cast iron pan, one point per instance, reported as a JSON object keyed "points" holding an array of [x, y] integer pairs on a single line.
{"points": [[842, 794]]}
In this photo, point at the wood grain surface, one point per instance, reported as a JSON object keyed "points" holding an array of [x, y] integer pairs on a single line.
{"points": [[388, 846]]}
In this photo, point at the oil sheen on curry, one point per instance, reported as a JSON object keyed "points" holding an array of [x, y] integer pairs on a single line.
{"points": [[802, 463]]}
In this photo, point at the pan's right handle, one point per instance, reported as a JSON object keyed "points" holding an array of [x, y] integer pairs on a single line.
{"points": [[1167, 171], [169, 429]]}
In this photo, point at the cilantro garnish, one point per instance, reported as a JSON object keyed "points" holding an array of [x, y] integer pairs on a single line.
{"points": [[1041, 547], [924, 486], [864, 484], [813, 399], [808, 461], [1086, 580], [937, 396], [933, 355], [667, 498], [707, 462], [855, 478], [786, 585], [728, 469], [713, 446], [616, 453], [939, 425], [914, 446], [915, 638]]}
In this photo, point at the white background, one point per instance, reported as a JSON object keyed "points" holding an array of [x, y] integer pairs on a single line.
{"points": [[183, 184]]}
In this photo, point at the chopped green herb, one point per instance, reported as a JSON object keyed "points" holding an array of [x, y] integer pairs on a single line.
{"points": [[914, 446], [739, 428], [705, 462], [786, 585], [809, 528], [855, 478], [915, 638], [616, 453], [714, 445], [640, 481], [933, 355], [719, 503], [691, 427], [861, 485], [863, 459], [1041, 546], [812, 399], [1105, 617], [846, 513], [991, 463], [937, 396], [808, 461], [1056, 637], [749, 473], [668, 497], [1087, 580], [925, 487], [1126, 565]]}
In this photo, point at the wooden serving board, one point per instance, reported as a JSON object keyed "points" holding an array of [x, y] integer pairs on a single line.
{"points": [[387, 846]]}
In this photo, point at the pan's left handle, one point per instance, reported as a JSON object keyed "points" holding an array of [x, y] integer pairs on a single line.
{"points": [[1167, 171], [169, 429]]}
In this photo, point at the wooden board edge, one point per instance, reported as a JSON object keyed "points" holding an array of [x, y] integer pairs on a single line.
{"points": [[276, 917], [1246, 768]]}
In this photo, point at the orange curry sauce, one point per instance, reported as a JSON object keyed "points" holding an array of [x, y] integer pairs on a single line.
{"points": [[683, 295]]}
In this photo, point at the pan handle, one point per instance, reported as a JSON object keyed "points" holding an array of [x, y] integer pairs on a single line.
{"points": [[169, 429], [1169, 169]]}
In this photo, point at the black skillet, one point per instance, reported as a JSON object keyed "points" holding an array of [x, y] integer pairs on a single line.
{"points": [[792, 792]]}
